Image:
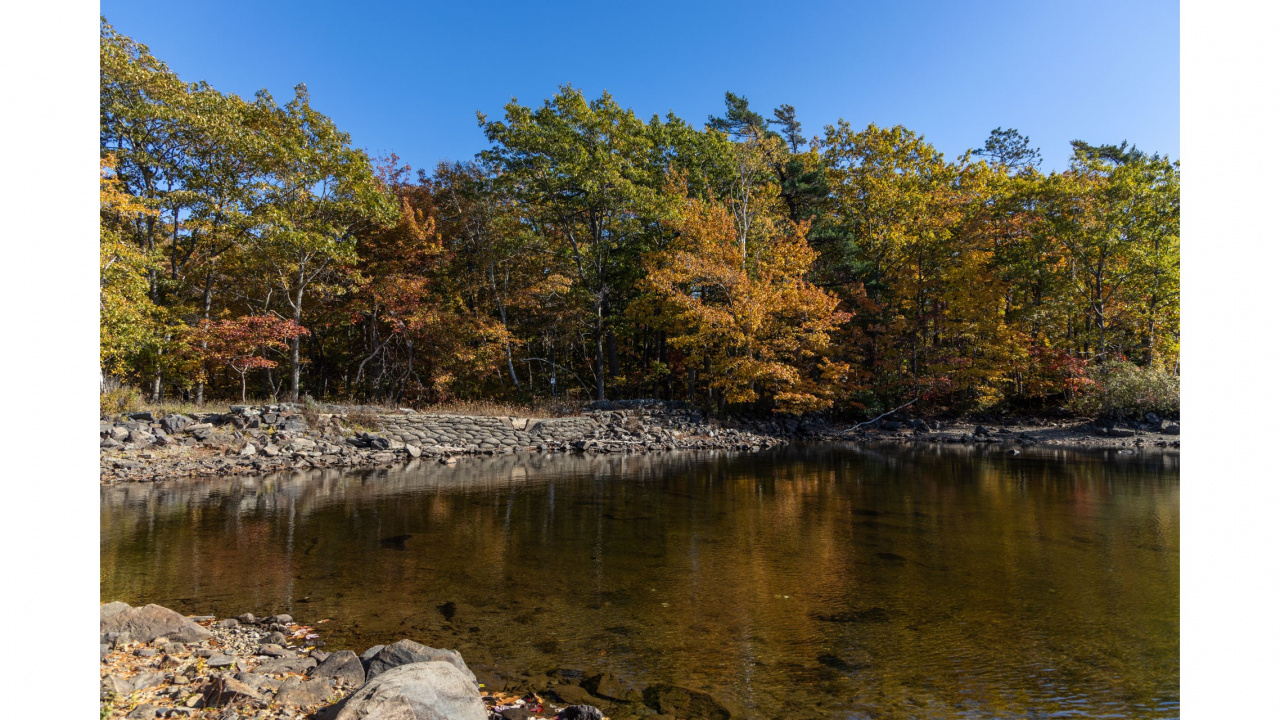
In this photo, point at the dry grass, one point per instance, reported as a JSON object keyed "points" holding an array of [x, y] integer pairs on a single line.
{"points": [[130, 400], [363, 419], [497, 408]]}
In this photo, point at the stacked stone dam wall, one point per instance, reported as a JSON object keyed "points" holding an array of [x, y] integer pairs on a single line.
{"points": [[270, 438]]}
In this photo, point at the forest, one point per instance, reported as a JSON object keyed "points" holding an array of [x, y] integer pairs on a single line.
{"points": [[247, 249]]}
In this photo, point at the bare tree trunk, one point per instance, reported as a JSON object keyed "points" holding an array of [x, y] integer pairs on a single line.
{"points": [[208, 302], [554, 391], [612, 343], [296, 345], [599, 350]]}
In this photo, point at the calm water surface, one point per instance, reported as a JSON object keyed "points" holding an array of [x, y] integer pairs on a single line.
{"points": [[826, 581]]}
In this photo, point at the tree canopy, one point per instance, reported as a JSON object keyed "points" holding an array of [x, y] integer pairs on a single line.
{"points": [[247, 248]]}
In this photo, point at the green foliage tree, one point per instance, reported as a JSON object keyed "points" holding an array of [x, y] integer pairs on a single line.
{"points": [[753, 266]]}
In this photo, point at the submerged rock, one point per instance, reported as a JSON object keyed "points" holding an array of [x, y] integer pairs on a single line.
{"points": [[684, 703], [609, 687]]}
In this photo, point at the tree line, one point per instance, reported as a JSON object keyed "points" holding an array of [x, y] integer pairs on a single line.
{"points": [[247, 248]]}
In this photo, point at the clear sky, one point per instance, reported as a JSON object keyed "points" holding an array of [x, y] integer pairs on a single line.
{"points": [[408, 77]]}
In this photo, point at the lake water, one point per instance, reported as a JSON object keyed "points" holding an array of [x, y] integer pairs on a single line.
{"points": [[823, 581]]}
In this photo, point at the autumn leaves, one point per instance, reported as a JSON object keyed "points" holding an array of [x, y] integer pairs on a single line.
{"points": [[738, 265]]}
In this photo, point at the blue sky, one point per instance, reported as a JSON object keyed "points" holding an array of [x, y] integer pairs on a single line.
{"points": [[409, 77]]}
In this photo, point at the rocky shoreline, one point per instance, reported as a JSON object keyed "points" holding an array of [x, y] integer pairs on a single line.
{"points": [[157, 663], [273, 438]]}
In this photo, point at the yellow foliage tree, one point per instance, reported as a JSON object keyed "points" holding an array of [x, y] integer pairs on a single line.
{"points": [[127, 317], [751, 322]]}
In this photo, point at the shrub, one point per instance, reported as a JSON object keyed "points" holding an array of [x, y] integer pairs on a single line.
{"points": [[1123, 390], [119, 399], [363, 419]]}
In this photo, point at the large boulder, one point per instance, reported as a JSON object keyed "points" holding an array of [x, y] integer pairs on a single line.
{"points": [[147, 623], [111, 608], [403, 652], [174, 423], [418, 691]]}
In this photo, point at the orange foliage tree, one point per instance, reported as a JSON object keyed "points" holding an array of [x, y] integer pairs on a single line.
{"points": [[240, 343], [746, 315]]}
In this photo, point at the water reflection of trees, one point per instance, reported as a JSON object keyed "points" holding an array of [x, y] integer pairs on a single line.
{"points": [[734, 572]]}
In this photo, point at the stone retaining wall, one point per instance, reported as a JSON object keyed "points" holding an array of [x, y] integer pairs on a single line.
{"points": [[486, 433]]}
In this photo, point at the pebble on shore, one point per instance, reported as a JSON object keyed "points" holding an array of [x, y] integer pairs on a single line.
{"points": [[269, 669]]}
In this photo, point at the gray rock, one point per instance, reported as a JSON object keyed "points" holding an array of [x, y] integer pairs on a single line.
{"points": [[286, 665], [1172, 429], [116, 639], [343, 665], [260, 683], [116, 685], [174, 423], [248, 450], [144, 710], [222, 690], [147, 623], [174, 648], [272, 650], [111, 608], [141, 437], [282, 619], [218, 661], [369, 654], [228, 623], [145, 652], [274, 638], [404, 652], [1120, 432], [144, 416], [298, 692], [417, 691], [247, 619], [103, 651], [146, 680]]}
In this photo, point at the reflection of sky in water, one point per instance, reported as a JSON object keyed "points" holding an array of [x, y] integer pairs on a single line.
{"points": [[826, 581]]}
